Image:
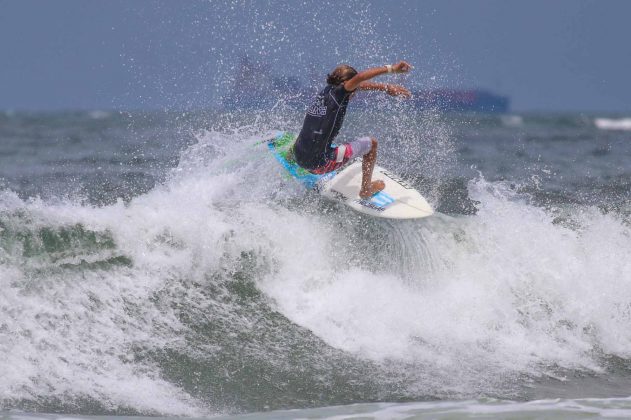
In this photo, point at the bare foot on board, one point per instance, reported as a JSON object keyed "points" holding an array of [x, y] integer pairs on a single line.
{"points": [[375, 187]]}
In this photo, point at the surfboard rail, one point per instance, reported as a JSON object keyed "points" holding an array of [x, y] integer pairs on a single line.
{"points": [[398, 200]]}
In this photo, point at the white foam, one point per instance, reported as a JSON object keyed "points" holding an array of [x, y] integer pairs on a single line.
{"points": [[72, 336], [99, 114], [512, 120], [623, 124], [506, 290]]}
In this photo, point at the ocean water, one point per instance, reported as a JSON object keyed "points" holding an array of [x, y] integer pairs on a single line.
{"points": [[160, 264]]}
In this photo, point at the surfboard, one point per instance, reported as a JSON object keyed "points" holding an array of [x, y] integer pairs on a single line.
{"points": [[398, 200]]}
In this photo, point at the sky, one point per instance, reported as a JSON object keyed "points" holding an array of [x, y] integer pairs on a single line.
{"points": [[561, 55]]}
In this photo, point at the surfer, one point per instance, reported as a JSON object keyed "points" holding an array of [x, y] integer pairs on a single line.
{"points": [[313, 149]]}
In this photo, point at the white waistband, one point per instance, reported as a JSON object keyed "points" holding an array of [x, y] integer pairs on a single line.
{"points": [[340, 152]]}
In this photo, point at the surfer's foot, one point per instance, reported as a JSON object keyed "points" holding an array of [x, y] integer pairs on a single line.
{"points": [[375, 187]]}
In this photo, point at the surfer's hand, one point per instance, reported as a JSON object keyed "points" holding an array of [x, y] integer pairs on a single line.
{"points": [[401, 67], [396, 90]]}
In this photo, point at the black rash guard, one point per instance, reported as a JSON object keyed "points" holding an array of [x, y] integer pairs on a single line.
{"points": [[322, 123]]}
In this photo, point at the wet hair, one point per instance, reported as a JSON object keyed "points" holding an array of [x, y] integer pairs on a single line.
{"points": [[340, 74]]}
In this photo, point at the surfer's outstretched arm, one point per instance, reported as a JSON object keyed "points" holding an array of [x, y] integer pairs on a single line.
{"points": [[390, 89], [362, 76]]}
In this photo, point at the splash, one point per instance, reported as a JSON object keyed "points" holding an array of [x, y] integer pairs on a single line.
{"points": [[220, 276]]}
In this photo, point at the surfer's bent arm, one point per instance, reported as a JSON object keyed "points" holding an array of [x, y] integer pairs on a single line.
{"points": [[362, 76], [394, 90]]}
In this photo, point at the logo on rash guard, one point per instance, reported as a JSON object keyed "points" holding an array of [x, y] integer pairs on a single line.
{"points": [[317, 108]]}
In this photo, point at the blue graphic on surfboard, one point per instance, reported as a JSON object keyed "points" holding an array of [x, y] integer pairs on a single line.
{"points": [[398, 200]]}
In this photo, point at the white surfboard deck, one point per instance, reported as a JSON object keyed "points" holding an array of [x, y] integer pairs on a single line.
{"points": [[398, 200]]}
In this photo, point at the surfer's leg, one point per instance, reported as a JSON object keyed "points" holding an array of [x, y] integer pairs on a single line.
{"points": [[370, 187]]}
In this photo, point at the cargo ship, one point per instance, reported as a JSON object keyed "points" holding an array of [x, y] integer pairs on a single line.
{"points": [[255, 88]]}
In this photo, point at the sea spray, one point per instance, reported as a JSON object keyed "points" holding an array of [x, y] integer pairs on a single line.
{"points": [[508, 290]]}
